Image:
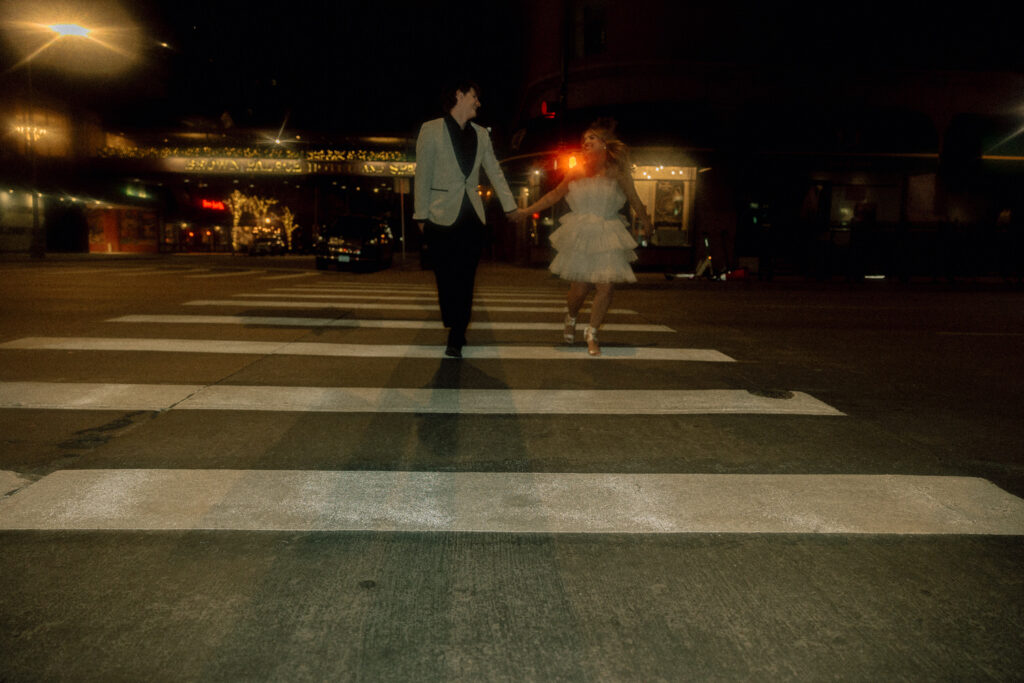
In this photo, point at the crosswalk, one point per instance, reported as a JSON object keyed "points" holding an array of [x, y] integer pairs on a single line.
{"points": [[537, 502]]}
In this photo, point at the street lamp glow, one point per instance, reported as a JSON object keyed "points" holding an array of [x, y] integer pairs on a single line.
{"points": [[70, 30]]}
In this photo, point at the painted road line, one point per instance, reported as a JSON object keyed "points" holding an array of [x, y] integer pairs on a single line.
{"points": [[377, 297], [166, 271], [90, 396], [981, 334], [362, 286], [143, 271], [59, 396], [375, 306], [512, 502], [112, 270], [185, 271], [408, 294], [487, 352], [284, 321], [230, 274], [429, 289], [288, 277], [403, 294]]}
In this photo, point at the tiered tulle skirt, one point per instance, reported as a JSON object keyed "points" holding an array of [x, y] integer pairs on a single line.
{"points": [[593, 249]]}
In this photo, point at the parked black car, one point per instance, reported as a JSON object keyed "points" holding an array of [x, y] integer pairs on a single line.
{"points": [[267, 244], [355, 240]]}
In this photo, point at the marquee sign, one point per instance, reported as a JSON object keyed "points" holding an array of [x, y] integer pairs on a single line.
{"points": [[259, 166], [235, 165], [382, 169]]}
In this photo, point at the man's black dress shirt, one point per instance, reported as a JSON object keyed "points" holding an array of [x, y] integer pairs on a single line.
{"points": [[464, 141]]}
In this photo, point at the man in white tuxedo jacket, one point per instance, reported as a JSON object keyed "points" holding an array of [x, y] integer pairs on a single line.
{"points": [[449, 153]]}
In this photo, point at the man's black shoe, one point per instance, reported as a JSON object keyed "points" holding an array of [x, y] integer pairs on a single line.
{"points": [[456, 340], [457, 337]]}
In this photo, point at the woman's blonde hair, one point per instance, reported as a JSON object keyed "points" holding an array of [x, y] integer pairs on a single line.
{"points": [[618, 153]]}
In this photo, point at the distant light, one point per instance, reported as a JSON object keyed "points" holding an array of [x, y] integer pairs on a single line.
{"points": [[69, 30], [164, 45], [277, 141]]}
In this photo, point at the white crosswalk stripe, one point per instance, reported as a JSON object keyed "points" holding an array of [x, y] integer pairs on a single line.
{"points": [[292, 276], [233, 273], [533, 502], [376, 297], [356, 350], [159, 397], [390, 307], [257, 321], [406, 294]]}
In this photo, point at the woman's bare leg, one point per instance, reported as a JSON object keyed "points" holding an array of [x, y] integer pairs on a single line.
{"points": [[573, 303], [598, 309], [577, 295], [602, 302]]}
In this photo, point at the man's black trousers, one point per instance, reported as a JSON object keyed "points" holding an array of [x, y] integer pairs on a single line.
{"points": [[454, 253]]}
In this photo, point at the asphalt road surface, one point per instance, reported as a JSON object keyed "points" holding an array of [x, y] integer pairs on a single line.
{"points": [[247, 469]]}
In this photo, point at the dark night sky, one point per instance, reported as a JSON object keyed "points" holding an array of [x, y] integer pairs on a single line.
{"points": [[352, 67], [375, 67]]}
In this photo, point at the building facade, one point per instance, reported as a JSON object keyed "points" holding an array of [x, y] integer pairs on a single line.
{"points": [[784, 142]]}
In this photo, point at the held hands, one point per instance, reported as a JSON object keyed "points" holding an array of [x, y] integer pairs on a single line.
{"points": [[646, 229], [518, 216]]}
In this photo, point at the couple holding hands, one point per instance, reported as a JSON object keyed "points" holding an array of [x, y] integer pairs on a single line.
{"points": [[593, 247]]}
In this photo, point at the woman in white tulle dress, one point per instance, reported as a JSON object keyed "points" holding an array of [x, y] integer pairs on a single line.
{"points": [[594, 248]]}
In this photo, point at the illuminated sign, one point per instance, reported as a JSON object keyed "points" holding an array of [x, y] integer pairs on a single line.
{"points": [[213, 204], [258, 166], [235, 165], [387, 168], [34, 133], [384, 169]]}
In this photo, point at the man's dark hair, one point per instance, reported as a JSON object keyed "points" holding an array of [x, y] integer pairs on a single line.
{"points": [[448, 98]]}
